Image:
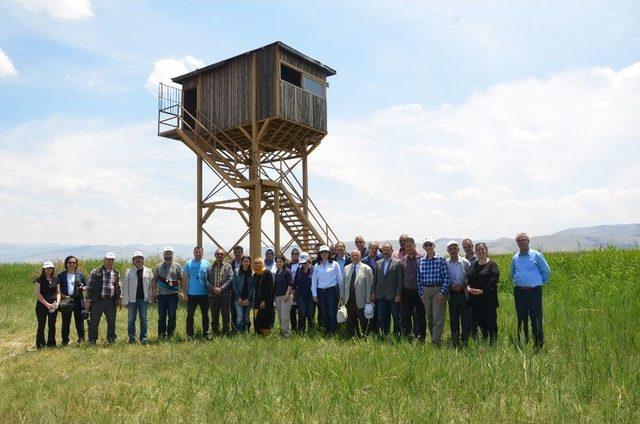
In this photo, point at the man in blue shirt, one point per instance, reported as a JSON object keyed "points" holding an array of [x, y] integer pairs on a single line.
{"points": [[196, 294], [529, 271], [433, 288]]}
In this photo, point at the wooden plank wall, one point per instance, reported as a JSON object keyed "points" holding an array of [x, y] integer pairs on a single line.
{"points": [[302, 107], [266, 69], [225, 93]]}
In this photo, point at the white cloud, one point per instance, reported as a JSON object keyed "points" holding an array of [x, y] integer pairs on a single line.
{"points": [[537, 154], [71, 181], [6, 66], [165, 69], [66, 10]]}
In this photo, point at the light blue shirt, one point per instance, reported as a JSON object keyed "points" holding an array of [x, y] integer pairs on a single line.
{"points": [[197, 271], [325, 275], [529, 269], [342, 262]]}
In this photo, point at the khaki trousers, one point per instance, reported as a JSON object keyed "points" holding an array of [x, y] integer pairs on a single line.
{"points": [[435, 313], [284, 309]]}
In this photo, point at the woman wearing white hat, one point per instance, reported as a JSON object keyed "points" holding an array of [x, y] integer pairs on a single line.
{"points": [[325, 283], [47, 290], [136, 294]]}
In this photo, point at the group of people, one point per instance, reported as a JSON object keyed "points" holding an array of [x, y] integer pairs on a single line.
{"points": [[366, 288]]}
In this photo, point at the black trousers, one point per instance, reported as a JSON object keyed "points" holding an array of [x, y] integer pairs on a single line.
{"points": [[108, 308], [76, 312], [413, 314], [484, 316], [356, 321], [529, 307], [192, 304], [459, 317], [43, 315], [220, 306]]}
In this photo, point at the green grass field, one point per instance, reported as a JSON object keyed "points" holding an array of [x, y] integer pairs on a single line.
{"points": [[589, 370]]}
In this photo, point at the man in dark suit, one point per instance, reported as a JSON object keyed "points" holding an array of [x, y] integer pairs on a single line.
{"points": [[387, 290]]}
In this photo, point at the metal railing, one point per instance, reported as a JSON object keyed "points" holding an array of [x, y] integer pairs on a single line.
{"points": [[172, 115]]}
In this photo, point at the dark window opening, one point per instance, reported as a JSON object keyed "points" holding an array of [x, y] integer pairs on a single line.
{"points": [[190, 103], [291, 75]]}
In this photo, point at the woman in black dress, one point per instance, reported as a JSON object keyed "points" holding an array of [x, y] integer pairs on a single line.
{"points": [[483, 294], [263, 312], [47, 291]]}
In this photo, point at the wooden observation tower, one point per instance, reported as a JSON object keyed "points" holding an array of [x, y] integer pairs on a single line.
{"points": [[253, 120]]}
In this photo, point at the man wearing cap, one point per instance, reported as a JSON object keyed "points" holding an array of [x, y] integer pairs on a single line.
{"points": [[529, 271], [195, 290], [167, 280], [433, 288], [136, 294], [355, 293], [412, 308], [387, 290], [459, 310], [219, 278], [103, 294]]}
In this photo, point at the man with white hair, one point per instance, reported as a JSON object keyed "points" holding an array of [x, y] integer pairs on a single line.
{"points": [[459, 309], [529, 271], [103, 295], [136, 294], [355, 294], [167, 280]]}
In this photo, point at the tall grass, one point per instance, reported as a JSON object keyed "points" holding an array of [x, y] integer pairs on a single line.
{"points": [[588, 370]]}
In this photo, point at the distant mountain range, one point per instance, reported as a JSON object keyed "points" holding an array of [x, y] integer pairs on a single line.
{"points": [[623, 236]]}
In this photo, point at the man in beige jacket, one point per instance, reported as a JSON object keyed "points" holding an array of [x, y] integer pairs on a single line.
{"points": [[355, 293]]}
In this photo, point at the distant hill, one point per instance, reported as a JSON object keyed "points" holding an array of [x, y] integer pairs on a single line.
{"points": [[624, 236]]}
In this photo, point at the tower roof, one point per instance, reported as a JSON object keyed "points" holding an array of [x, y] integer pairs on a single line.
{"points": [[327, 70]]}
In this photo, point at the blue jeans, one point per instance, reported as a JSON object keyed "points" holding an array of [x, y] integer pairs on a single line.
{"points": [[242, 317], [328, 300], [167, 307], [306, 311], [387, 309], [135, 308]]}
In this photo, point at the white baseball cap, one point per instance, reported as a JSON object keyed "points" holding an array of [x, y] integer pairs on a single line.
{"points": [[47, 264], [110, 255], [324, 248], [168, 249], [451, 243], [138, 253], [304, 257], [428, 240]]}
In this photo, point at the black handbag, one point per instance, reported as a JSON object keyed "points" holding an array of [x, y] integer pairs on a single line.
{"points": [[66, 305]]}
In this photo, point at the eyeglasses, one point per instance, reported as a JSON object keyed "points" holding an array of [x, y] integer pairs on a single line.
{"points": [[428, 244], [521, 240], [219, 254], [72, 263]]}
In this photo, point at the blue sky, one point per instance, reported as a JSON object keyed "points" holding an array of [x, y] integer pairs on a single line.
{"points": [[456, 118]]}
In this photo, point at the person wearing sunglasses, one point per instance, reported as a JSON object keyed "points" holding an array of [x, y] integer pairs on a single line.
{"points": [[219, 279], [72, 284]]}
